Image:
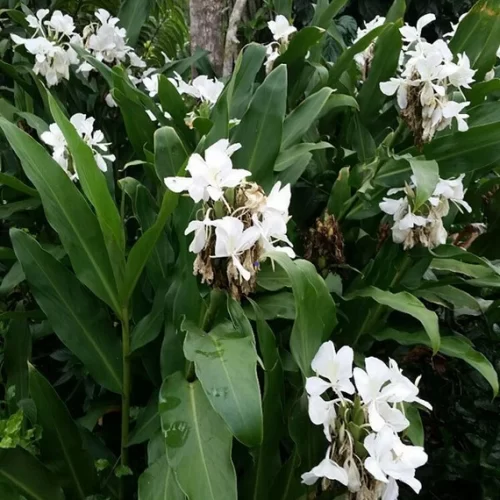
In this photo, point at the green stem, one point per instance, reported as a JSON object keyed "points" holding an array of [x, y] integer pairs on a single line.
{"points": [[127, 382], [216, 299], [397, 134]]}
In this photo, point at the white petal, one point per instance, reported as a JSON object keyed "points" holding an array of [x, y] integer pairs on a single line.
{"points": [[316, 386], [245, 274], [372, 466], [178, 184]]}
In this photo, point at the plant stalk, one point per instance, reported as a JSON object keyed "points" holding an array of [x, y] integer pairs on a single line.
{"points": [[127, 383]]}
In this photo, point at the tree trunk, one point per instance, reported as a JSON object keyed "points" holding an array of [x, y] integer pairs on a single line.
{"points": [[231, 48], [207, 29]]}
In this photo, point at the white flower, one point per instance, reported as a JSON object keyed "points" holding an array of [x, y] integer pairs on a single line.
{"points": [[211, 175], [200, 233], [110, 102], [232, 239], [281, 28], [277, 201], [273, 230], [209, 90], [397, 86], [390, 457], [335, 367], [411, 220], [452, 109], [272, 53], [61, 23], [453, 190], [402, 388], [326, 468], [396, 208], [36, 22], [151, 84], [322, 412], [411, 34], [462, 76], [370, 385], [93, 138]]}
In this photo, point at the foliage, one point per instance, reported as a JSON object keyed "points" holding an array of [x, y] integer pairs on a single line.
{"points": [[125, 375]]}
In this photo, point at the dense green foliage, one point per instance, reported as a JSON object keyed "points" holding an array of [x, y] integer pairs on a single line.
{"points": [[124, 376]]}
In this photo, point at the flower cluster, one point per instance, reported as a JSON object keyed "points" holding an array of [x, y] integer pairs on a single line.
{"points": [[423, 224], [93, 138], [281, 30], [364, 58], [366, 453], [52, 39], [427, 77], [50, 44], [239, 223]]}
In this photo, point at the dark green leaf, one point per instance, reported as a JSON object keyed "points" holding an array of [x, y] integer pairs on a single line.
{"points": [[14, 183], [68, 213], [28, 476], [158, 482], [261, 127], [406, 303], [61, 444], [76, 316], [315, 310], [341, 192], [170, 153], [240, 87], [455, 347], [132, 15], [226, 365], [198, 441], [298, 122], [148, 422], [95, 188], [478, 35]]}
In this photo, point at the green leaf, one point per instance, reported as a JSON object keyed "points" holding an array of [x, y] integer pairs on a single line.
{"points": [[150, 326], [450, 297], [406, 303], [341, 192], [339, 101], [197, 440], [268, 452], [61, 443], [347, 57], [28, 476], [240, 87], [300, 44], [361, 139], [141, 251], [261, 127], [274, 305], [300, 120], [132, 15], [323, 18], [396, 12], [415, 431], [426, 178], [14, 183], [226, 365], [383, 66], [315, 310], [95, 188], [478, 35], [289, 157], [68, 213], [76, 316], [148, 422], [463, 152], [9, 209], [12, 279], [140, 128], [158, 482], [283, 7], [453, 346], [170, 153], [17, 352]]}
